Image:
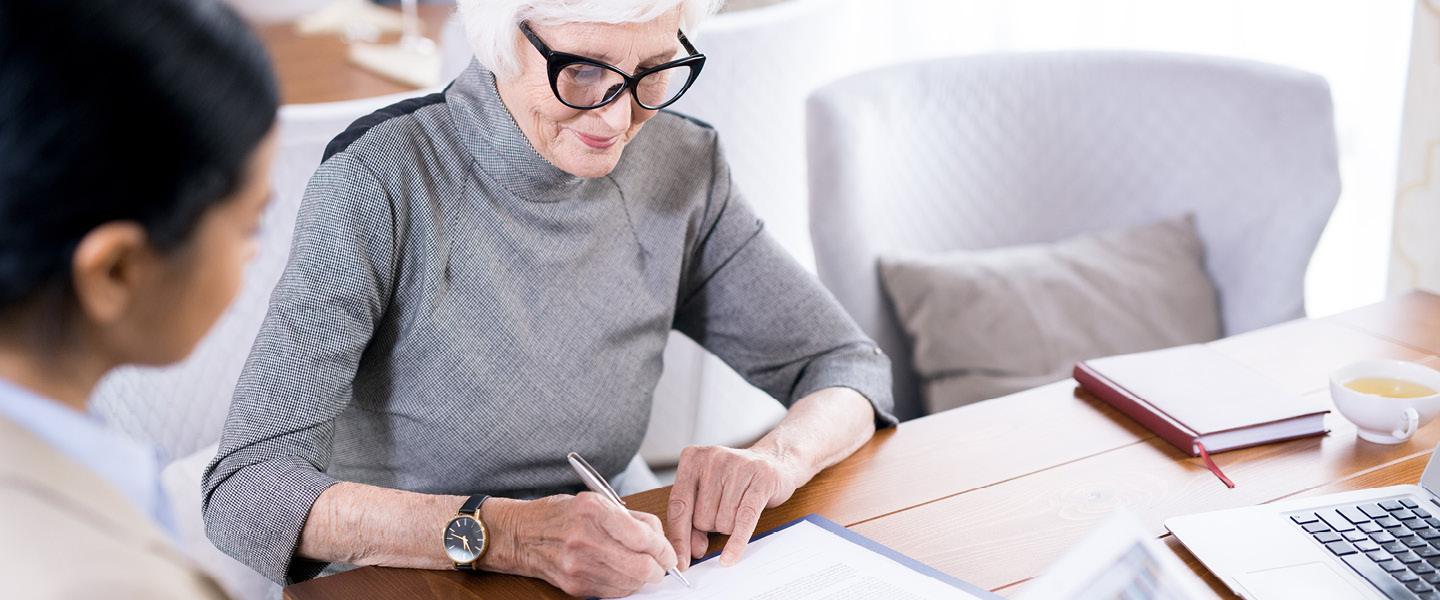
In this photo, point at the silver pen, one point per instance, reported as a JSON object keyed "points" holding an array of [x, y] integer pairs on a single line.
{"points": [[597, 484]]}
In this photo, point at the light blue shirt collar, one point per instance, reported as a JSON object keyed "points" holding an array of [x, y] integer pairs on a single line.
{"points": [[129, 466]]}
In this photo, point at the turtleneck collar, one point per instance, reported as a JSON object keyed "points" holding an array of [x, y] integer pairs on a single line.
{"points": [[491, 135]]}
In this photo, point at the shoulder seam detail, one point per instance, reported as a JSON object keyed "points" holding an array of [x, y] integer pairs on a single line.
{"points": [[361, 126]]}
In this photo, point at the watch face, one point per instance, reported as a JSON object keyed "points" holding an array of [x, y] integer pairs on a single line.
{"points": [[464, 537]]}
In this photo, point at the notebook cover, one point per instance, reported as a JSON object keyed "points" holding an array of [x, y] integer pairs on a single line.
{"points": [[1188, 392], [880, 549], [1136, 408]]}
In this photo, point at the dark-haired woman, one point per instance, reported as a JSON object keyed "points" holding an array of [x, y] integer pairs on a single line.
{"points": [[135, 142]]}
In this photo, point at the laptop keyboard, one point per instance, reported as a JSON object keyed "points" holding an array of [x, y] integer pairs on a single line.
{"points": [[1393, 544]]}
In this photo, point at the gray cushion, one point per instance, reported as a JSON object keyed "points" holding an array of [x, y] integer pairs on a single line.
{"points": [[987, 323]]}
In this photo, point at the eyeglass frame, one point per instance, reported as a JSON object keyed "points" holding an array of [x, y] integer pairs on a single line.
{"points": [[556, 61]]}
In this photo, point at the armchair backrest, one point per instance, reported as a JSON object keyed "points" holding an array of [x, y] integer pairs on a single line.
{"points": [[996, 150]]}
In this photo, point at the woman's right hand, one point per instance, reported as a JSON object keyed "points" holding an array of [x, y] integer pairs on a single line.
{"points": [[585, 545]]}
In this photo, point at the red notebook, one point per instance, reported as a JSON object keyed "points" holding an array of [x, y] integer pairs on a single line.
{"points": [[1201, 401]]}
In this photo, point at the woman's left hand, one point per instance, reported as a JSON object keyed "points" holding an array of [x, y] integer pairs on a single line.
{"points": [[723, 490]]}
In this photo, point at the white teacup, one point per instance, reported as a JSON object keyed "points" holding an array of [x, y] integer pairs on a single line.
{"points": [[1382, 419]]}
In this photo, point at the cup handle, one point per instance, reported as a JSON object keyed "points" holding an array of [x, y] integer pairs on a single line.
{"points": [[1412, 422]]}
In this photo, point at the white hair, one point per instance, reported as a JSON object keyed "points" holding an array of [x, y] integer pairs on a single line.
{"points": [[492, 25]]}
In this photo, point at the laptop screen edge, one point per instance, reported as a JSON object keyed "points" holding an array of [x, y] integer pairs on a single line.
{"points": [[1430, 479]]}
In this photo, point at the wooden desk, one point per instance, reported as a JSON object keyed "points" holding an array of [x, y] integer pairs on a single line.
{"points": [[317, 68], [994, 492]]}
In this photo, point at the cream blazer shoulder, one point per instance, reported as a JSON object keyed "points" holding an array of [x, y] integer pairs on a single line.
{"points": [[66, 533]]}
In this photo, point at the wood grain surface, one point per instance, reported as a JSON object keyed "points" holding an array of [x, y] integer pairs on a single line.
{"points": [[994, 492]]}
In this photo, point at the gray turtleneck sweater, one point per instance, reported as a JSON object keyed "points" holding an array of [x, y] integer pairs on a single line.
{"points": [[457, 314]]}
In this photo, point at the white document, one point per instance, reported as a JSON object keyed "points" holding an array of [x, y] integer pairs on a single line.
{"points": [[1118, 561], [805, 562]]}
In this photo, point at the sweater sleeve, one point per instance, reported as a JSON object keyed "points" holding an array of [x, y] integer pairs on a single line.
{"points": [[276, 444], [745, 299]]}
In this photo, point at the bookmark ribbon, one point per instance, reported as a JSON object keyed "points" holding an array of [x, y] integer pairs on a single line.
{"points": [[1211, 464]]}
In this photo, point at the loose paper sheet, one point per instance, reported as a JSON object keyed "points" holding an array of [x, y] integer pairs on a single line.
{"points": [[804, 562]]}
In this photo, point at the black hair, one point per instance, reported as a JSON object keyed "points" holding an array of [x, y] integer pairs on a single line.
{"points": [[119, 110]]}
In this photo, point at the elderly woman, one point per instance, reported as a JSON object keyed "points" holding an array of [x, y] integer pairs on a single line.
{"points": [[484, 279]]}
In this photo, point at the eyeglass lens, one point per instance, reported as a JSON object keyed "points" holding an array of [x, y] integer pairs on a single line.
{"points": [[587, 85]]}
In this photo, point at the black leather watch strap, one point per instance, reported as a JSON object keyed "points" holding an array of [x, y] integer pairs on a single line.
{"points": [[472, 505]]}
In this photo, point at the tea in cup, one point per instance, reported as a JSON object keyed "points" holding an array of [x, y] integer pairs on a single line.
{"points": [[1387, 400]]}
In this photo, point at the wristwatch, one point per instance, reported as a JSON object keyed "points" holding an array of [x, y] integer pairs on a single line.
{"points": [[466, 538]]}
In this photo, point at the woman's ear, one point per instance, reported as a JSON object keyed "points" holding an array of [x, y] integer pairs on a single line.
{"points": [[109, 269]]}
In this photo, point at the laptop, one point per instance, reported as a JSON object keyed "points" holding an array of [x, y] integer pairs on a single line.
{"points": [[1375, 543]]}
